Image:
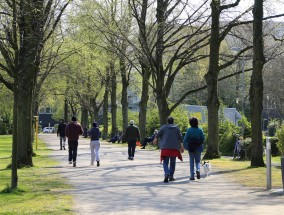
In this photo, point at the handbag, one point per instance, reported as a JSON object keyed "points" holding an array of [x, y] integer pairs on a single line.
{"points": [[138, 143]]}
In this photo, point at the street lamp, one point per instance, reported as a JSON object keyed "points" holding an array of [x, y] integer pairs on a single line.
{"points": [[236, 50]]}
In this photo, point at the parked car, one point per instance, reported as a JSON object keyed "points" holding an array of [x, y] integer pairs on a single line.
{"points": [[48, 130]]}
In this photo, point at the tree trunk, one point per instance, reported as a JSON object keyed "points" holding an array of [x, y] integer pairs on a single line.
{"points": [[14, 172], [95, 109], [146, 72], [113, 100], [66, 111], [124, 100], [212, 85], [144, 101], [24, 120], [256, 86], [105, 106], [84, 118], [160, 93], [163, 106]]}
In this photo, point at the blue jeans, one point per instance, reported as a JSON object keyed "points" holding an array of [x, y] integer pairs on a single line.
{"points": [[194, 157], [169, 171]]}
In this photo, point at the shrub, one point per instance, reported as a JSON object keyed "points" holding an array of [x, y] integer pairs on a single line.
{"points": [[280, 143], [3, 129], [244, 121], [274, 148], [227, 137], [246, 149], [272, 127]]}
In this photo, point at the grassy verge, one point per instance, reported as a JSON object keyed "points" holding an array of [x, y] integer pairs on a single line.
{"points": [[242, 173], [41, 190]]}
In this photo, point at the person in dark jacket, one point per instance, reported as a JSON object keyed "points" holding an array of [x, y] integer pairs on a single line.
{"points": [[95, 144], [170, 143], [61, 132], [72, 131], [132, 134]]}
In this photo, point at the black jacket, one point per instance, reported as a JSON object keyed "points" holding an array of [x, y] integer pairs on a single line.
{"points": [[61, 129], [132, 133]]}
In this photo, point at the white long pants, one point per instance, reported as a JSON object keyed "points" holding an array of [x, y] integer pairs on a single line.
{"points": [[95, 150]]}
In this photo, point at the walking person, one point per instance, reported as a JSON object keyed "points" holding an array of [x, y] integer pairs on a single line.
{"points": [[61, 132], [193, 140], [132, 134], [170, 143], [72, 131], [95, 144]]}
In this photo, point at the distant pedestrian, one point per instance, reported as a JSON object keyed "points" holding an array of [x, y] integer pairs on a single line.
{"points": [[238, 147], [170, 143], [73, 130], [132, 134], [61, 133], [193, 140], [95, 144]]}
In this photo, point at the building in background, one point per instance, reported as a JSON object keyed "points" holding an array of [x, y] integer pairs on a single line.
{"points": [[231, 114]]}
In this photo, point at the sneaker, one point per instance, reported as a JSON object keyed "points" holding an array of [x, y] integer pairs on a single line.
{"points": [[143, 147], [172, 179], [74, 164], [70, 162], [98, 163], [64, 147], [166, 180], [197, 174], [192, 179]]}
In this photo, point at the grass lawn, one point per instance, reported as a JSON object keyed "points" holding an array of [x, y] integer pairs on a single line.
{"points": [[41, 189], [242, 173]]}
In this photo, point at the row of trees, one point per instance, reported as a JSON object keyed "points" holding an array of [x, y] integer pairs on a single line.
{"points": [[142, 43]]}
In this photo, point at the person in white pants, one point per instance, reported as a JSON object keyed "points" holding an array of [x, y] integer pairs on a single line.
{"points": [[95, 144]]}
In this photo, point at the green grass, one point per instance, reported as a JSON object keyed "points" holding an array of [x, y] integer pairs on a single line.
{"points": [[41, 190], [242, 173]]}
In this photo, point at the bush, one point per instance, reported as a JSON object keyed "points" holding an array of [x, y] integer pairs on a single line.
{"points": [[274, 147], [246, 149], [3, 129], [227, 137], [280, 143], [244, 121]]}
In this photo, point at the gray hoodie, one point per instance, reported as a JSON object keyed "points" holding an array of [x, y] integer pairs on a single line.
{"points": [[169, 137]]}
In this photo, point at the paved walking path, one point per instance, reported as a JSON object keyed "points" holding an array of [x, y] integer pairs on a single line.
{"points": [[123, 187]]}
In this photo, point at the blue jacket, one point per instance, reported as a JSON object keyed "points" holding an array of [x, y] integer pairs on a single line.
{"points": [[169, 137], [193, 133]]}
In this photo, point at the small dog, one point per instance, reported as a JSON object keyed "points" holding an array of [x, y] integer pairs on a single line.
{"points": [[207, 168]]}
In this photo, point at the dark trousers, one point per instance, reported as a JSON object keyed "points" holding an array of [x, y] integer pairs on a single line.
{"points": [[72, 147], [146, 140], [131, 148]]}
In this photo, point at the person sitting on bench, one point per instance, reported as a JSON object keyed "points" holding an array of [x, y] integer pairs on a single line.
{"points": [[149, 139]]}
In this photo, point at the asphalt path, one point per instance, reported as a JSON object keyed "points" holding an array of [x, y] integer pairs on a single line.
{"points": [[123, 187]]}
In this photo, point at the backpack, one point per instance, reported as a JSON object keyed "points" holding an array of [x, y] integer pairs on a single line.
{"points": [[194, 144]]}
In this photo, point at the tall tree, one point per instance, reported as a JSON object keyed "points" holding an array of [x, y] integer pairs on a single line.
{"points": [[256, 85], [211, 77], [140, 14], [27, 25]]}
